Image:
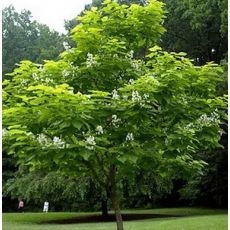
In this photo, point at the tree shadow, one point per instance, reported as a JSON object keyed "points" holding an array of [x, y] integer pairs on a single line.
{"points": [[109, 218]]}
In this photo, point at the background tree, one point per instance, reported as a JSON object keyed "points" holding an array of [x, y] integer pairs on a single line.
{"points": [[62, 191], [197, 28], [24, 38]]}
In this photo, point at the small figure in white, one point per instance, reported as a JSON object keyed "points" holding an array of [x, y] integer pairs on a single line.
{"points": [[21, 205], [46, 206]]}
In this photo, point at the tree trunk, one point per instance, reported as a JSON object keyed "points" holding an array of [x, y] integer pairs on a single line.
{"points": [[115, 199], [104, 208], [117, 210]]}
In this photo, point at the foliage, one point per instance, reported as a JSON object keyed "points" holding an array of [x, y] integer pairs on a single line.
{"points": [[210, 188], [153, 113], [70, 24], [24, 38], [198, 28], [61, 191]]}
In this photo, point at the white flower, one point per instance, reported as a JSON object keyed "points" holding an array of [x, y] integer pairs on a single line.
{"points": [[114, 116], [115, 94], [131, 81], [130, 54], [136, 96], [91, 142], [205, 120], [189, 126], [66, 45], [90, 61], [65, 73], [135, 65], [42, 139], [99, 130], [24, 82], [48, 80], [115, 120], [35, 76], [129, 137], [57, 142]]}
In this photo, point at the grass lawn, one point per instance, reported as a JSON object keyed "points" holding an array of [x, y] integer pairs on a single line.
{"points": [[193, 219]]}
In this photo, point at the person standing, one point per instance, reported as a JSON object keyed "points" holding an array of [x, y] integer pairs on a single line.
{"points": [[21, 205], [46, 206]]}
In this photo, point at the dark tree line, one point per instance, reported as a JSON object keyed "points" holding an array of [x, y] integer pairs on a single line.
{"points": [[24, 38]]}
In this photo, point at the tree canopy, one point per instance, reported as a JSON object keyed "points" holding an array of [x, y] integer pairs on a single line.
{"points": [[103, 111], [24, 38]]}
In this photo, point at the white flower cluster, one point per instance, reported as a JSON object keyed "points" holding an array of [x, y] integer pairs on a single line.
{"points": [[135, 65], [90, 61], [129, 137], [205, 120], [58, 143], [130, 54], [43, 140], [131, 81], [115, 120], [136, 96], [115, 94], [35, 76], [66, 45], [65, 73], [48, 80], [46, 142], [91, 142], [189, 126], [99, 130], [24, 83]]}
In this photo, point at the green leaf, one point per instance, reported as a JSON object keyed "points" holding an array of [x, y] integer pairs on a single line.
{"points": [[77, 124]]}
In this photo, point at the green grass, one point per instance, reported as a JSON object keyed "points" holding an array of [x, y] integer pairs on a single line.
{"points": [[196, 219]]}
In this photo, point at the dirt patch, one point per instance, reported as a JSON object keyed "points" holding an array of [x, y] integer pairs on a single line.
{"points": [[109, 218]]}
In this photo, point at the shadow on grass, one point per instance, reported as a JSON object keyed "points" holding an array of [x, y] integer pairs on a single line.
{"points": [[109, 218]]}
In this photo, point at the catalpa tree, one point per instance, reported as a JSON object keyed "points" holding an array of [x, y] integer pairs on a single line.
{"points": [[108, 107]]}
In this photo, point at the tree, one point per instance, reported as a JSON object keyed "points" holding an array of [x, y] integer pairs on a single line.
{"points": [[63, 192], [70, 24], [153, 113], [198, 28], [24, 38]]}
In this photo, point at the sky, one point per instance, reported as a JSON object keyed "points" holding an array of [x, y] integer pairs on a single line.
{"points": [[50, 12]]}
